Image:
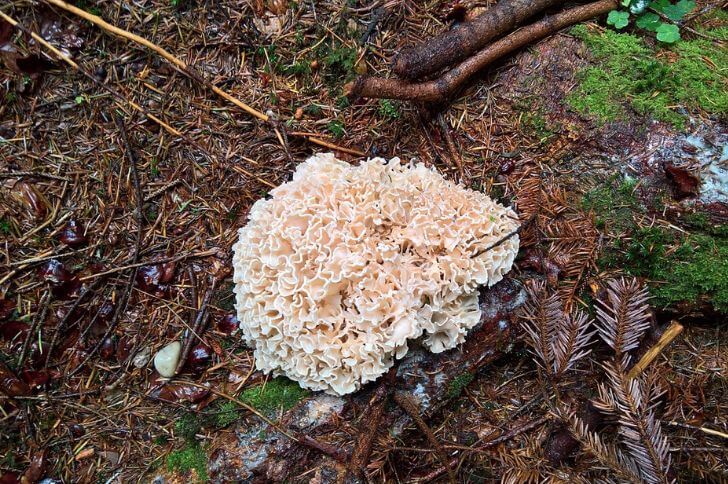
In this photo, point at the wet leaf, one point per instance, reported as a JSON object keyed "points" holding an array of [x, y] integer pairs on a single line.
{"points": [[153, 279], [73, 234], [62, 281], [685, 184], [108, 348], [76, 430], [30, 198], [37, 468], [180, 392], [61, 34], [10, 384], [35, 378]]}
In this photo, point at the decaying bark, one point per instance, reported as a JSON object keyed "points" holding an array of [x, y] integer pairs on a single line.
{"points": [[441, 89], [464, 39], [257, 451]]}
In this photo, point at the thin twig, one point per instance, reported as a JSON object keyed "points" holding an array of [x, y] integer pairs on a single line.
{"points": [[40, 316], [407, 404], [197, 327], [454, 155], [139, 216]]}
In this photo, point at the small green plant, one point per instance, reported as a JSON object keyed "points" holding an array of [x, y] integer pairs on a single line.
{"points": [[649, 15], [154, 167], [336, 128], [274, 395], [388, 109], [5, 226]]}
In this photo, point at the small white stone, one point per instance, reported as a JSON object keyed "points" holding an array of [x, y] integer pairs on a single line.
{"points": [[142, 358], [165, 361]]}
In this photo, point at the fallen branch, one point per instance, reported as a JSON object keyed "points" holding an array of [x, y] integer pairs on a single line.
{"points": [[466, 38], [672, 332], [410, 407], [441, 89]]}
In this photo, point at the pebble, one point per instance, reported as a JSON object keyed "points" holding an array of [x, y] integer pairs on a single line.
{"points": [[142, 358], [165, 361]]}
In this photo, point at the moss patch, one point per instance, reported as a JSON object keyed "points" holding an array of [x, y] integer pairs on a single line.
{"points": [[653, 82], [613, 204], [192, 460], [680, 268], [275, 395], [458, 384]]}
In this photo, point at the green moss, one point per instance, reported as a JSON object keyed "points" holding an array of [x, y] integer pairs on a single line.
{"points": [[226, 413], [273, 396], [613, 203], [679, 268], [699, 267], [191, 458], [628, 73], [458, 384], [187, 426]]}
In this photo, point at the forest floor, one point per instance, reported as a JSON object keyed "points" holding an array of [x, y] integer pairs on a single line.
{"points": [[615, 149]]}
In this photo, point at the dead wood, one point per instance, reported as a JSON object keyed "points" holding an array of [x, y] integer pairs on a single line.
{"points": [[464, 39], [443, 88]]}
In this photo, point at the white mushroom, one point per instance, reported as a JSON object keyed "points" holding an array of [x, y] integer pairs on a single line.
{"points": [[343, 265]]}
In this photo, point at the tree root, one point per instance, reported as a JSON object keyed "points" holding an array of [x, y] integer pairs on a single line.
{"points": [[466, 38], [439, 90]]}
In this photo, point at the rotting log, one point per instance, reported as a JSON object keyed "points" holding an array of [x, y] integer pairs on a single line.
{"points": [[440, 90], [458, 43], [257, 451]]}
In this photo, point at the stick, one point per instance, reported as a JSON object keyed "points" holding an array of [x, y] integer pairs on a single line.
{"points": [[373, 416], [139, 216], [444, 87], [667, 337], [197, 328], [407, 404], [466, 38], [37, 321], [183, 66]]}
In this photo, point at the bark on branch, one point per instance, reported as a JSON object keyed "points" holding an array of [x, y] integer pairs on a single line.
{"points": [[441, 89], [464, 39]]}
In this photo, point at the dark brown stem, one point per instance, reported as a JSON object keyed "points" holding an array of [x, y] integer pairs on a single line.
{"points": [[454, 155], [464, 39], [406, 403], [40, 316], [373, 416], [139, 216], [198, 326], [441, 89]]}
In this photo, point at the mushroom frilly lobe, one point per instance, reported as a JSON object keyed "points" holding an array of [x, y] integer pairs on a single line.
{"points": [[343, 266]]}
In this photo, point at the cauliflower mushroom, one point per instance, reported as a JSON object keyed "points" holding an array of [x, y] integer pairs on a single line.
{"points": [[344, 265]]}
